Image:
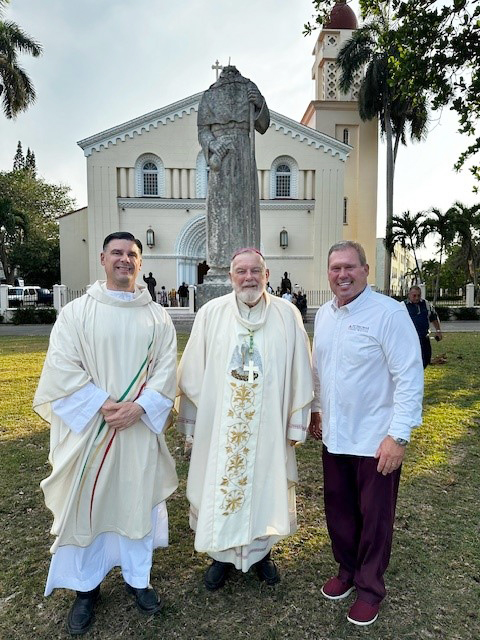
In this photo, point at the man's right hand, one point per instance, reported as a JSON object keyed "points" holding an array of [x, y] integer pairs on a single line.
{"points": [[121, 415], [315, 426]]}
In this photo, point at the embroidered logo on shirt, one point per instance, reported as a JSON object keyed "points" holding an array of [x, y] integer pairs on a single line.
{"points": [[359, 328]]}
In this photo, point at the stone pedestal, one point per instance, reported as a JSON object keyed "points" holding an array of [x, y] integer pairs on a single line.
{"points": [[214, 286]]}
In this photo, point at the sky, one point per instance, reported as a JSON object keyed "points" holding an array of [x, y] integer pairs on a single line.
{"points": [[108, 61]]}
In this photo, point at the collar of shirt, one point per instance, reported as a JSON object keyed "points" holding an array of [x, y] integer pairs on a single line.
{"points": [[355, 303]]}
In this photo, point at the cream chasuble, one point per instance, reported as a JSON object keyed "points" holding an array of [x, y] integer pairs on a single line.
{"points": [[107, 480], [245, 387]]}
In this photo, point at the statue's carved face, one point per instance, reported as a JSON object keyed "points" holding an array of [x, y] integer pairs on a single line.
{"points": [[229, 72]]}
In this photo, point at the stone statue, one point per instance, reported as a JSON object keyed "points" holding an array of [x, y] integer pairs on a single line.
{"points": [[229, 113]]}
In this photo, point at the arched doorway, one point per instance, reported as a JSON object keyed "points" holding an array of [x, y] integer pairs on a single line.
{"points": [[191, 249]]}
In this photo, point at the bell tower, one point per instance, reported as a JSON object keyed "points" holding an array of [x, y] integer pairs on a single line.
{"points": [[336, 114]]}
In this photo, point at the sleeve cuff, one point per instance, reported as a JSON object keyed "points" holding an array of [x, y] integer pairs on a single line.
{"points": [[157, 408]]}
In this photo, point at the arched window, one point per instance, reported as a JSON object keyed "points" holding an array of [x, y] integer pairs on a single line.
{"points": [[345, 211], [346, 136], [282, 181], [149, 177], [284, 178]]}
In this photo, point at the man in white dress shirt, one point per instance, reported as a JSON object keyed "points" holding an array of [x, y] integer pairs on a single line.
{"points": [[107, 388], [245, 387], [368, 396]]}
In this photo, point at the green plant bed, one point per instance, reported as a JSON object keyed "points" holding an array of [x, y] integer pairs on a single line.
{"points": [[443, 313], [32, 315], [467, 313]]}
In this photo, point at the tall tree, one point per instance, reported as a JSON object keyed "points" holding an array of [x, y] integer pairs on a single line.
{"points": [[467, 223], [441, 55], [443, 225], [19, 159], [30, 208], [30, 162], [406, 230], [16, 89], [372, 47]]}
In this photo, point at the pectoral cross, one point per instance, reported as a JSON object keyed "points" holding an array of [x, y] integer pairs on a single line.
{"points": [[217, 67], [251, 368]]}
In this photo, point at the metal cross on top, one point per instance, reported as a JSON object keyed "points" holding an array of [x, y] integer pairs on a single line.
{"points": [[217, 68], [251, 368]]}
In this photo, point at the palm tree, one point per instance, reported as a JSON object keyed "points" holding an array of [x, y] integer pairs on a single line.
{"points": [[374, 45], [467, 226], [406, 230], [16, 89], [444, 225]]}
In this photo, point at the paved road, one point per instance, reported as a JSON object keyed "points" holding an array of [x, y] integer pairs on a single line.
{"points": [[185, 326]]}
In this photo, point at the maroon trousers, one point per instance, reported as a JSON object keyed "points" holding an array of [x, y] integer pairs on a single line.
{"points": [[360, 510]]}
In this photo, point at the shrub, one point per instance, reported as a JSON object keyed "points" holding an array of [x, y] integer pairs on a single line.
{"points": [[32, 315], [443, 312], [466, 313]]}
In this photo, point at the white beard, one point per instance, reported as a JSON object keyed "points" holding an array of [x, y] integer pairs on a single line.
{"points": [[250, 296]]}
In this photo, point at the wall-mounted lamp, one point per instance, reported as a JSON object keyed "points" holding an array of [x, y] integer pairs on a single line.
{"points": [[150, 237], [284, 238]]}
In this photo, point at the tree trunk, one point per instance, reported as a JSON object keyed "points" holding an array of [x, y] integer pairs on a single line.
{"points": [[437, 279]]}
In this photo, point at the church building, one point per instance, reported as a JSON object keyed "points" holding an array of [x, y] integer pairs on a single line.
{"points": [[317, 184]]}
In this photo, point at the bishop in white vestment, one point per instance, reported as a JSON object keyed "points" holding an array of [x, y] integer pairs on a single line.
{"points": [[107, 388], [245, 387]]}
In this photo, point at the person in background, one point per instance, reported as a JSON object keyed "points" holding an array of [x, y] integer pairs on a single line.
{"points": [[151, 284], [286, 284], [422, 314], [163, 297], [183, 295]]}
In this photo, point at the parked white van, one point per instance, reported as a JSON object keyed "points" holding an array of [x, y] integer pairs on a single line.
{"points": [[22, 296]]}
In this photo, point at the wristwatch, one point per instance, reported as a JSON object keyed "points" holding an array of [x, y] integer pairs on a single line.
{"points": [[401, 441]]}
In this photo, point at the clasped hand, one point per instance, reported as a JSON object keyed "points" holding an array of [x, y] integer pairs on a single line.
{"points": [[121, 415], [255, 96]]}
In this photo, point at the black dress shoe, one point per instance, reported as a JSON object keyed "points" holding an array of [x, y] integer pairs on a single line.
{"points": [[146, 599], [267, 570], [80, 616], [216, 574]]}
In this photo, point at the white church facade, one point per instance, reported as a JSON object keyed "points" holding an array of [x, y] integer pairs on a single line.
{"points": [[317, 182]]}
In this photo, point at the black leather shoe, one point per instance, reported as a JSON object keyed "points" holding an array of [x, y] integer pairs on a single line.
{"points": [[216, 574], [267, 570], [146, 599], [80, 616]]}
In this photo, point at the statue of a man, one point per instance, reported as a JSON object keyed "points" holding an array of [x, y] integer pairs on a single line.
{"points": [[229, 112]]}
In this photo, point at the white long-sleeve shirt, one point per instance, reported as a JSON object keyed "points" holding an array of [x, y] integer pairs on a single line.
{"points": [[368, 373]]}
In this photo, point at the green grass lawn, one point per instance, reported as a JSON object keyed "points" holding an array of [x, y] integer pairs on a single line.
{"points": [[433, 580]]}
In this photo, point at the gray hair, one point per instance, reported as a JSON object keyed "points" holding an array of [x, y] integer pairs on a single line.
{"points": [[248, 250], [343, 245]]}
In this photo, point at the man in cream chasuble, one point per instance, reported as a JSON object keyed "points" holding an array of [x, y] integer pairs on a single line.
{"points": [[245, 387]]}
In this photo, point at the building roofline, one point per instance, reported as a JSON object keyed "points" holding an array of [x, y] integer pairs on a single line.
{"points": [[153, 119]]}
